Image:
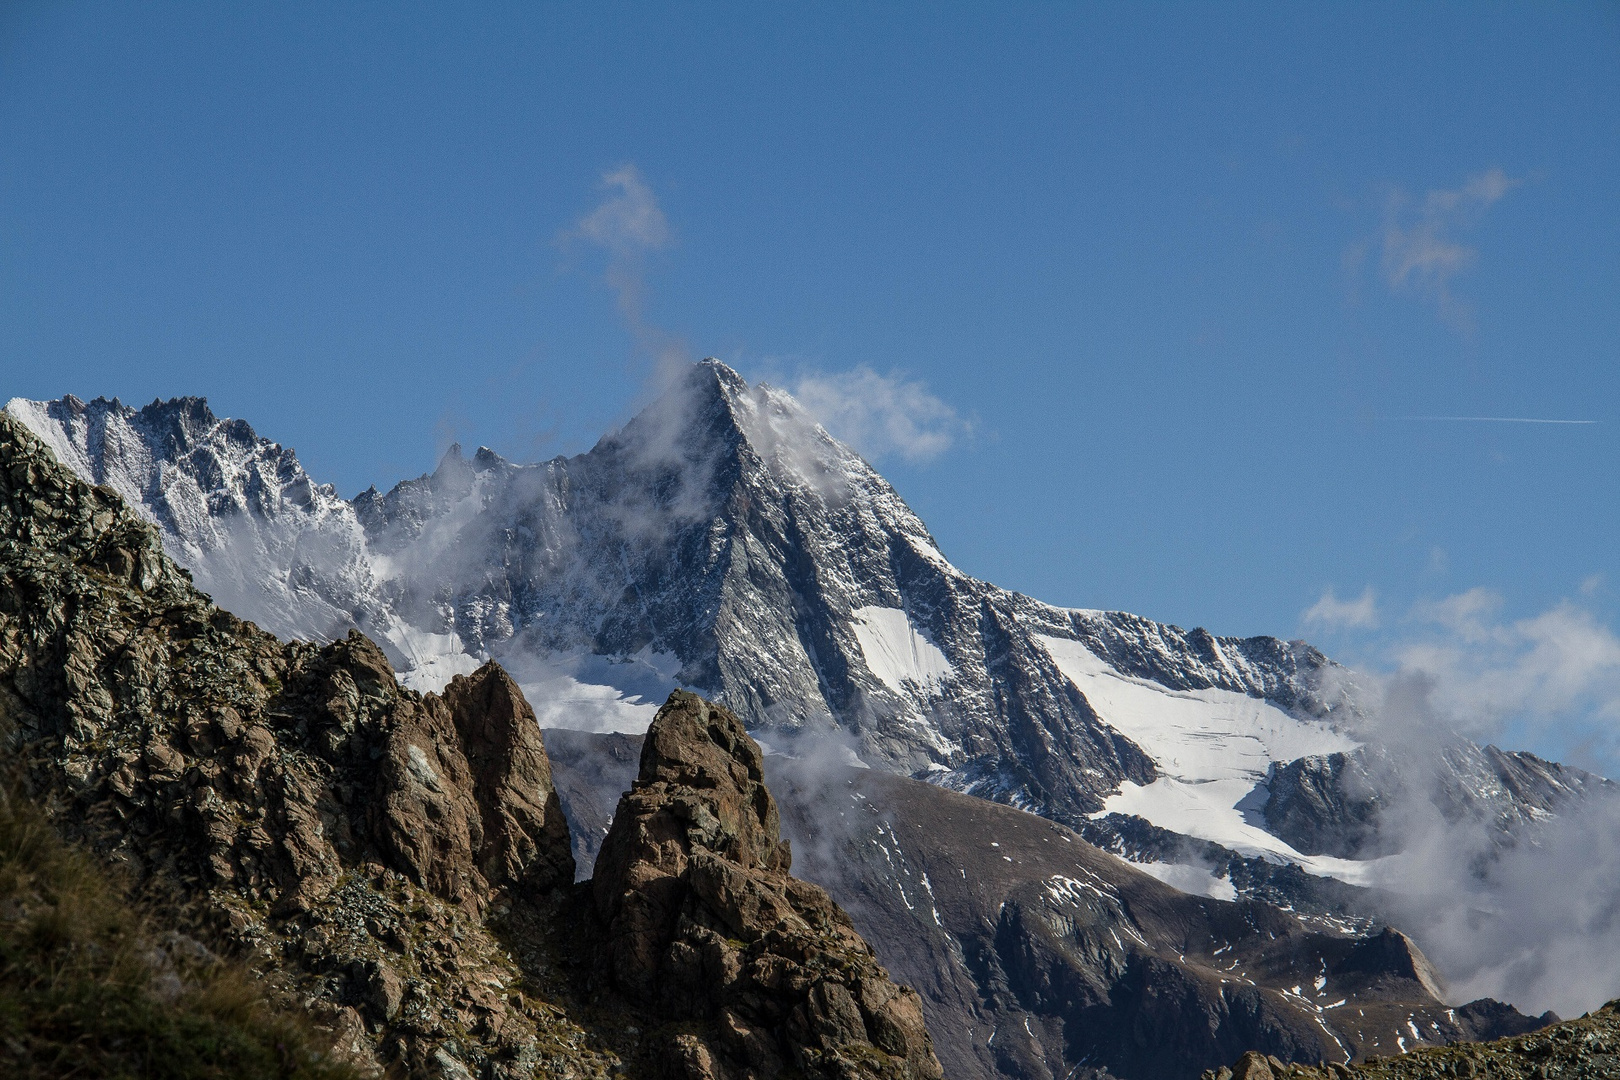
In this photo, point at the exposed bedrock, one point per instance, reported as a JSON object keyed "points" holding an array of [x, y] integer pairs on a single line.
{"points": [[704, 921]]}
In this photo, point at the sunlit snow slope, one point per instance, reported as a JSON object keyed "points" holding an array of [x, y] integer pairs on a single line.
{"points": [[1213, 748]]}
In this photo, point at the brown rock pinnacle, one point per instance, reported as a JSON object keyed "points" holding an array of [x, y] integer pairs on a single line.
{"points": [[525, 835], [706, 925], [465, 800]]}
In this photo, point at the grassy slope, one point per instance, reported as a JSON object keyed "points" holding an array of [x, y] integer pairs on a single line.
{"points": [[89, 988]]}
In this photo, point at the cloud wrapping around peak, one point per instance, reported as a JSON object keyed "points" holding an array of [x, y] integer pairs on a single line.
{"points": [[1334, 614], [1421, 253], [881, 415]]}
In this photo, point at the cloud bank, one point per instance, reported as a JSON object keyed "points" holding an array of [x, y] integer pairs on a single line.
{"points": [[1532, 918], [1559, 670], [1536, 924]]}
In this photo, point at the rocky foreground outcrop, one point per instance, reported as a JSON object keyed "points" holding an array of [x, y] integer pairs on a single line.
{"points": [[398, 863]]}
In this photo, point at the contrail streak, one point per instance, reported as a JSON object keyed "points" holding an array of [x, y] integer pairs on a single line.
{"points": [[1499, 419]]}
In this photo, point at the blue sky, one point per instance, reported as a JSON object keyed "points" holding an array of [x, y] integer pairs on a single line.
{"points": [[1171, 292]]}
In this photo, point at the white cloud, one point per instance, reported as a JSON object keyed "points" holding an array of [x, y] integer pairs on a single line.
{"points": [[1465, 614], [1334, 614], [881, 415], [1561, 667], [629, 221], [1534, 921], [1421, 251]]}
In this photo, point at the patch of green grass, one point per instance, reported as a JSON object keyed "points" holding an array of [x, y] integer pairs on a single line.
{"points": [[85, 990]]}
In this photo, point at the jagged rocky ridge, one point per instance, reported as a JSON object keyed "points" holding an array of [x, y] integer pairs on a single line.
{"points": [[1037, 955], [722, 540], [398, 862]]}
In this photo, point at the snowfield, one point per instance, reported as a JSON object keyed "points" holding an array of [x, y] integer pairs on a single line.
{"points": [[1214, 748], [896, 652]]}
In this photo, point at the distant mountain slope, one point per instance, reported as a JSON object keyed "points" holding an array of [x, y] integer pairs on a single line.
{"points": [[723, 541]]}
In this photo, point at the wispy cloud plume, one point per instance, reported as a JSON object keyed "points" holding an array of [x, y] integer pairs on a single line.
{"points": [[628, 226], [1421, 248], [1331, 613], [882, 415]]}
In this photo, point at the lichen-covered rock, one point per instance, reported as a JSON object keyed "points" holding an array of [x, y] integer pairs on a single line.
{"points": [[705, 924]]}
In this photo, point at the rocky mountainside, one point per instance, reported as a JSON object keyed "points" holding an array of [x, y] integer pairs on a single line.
{"points": [[1583, 1049], [1037, 955], [723, 541], [396, 862]]}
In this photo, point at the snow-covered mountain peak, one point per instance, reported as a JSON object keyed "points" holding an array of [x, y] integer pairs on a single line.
{"points": [[257, 532], [724, 541], [145, 454], [710, 429]]}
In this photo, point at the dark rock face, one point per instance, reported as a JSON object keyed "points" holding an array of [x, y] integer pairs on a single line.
{"points": [[705, 923], [1330, 804], [1323, 805], [1038, 955]]}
